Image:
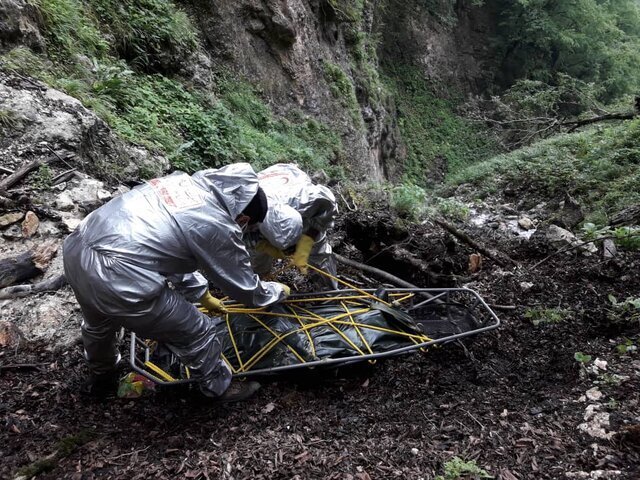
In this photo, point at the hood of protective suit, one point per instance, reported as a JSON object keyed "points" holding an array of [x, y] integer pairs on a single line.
{"points": [[282, 227], [234, 185]]}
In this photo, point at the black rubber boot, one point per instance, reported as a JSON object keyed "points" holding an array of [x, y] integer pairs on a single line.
{"points": [[238, 392], [100, 385]]}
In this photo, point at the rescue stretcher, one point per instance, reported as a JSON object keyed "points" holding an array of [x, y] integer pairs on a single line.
{"points": [[331, 329]]}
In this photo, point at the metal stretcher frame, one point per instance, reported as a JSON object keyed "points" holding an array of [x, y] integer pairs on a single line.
{"points": [[430, 295]]}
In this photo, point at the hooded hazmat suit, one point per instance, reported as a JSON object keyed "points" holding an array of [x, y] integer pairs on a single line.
{"points": [[122, 257], [289, 188]]}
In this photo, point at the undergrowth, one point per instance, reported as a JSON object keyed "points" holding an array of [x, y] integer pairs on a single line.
{"points": [[435, 136], [117, 58], [598, 166]]}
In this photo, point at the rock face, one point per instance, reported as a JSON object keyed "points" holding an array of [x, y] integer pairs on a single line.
{"points": [[46, 120], [18, 25]]}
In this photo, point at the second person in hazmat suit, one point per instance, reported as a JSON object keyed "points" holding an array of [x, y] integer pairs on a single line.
{"points": [[122, 257], [300, 214]]}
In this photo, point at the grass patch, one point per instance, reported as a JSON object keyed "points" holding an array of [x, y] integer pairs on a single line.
{"points": [[433, 133], [457, 468], [599, 167], [545, 316]]}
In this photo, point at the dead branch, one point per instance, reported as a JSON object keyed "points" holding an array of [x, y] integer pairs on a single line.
{"points": [[578, 245], [27, 265], [375, 271], [6, 170], [6, 202], [22, 366], [18, 291], [601, 118], [27, 168], [500, 258]]}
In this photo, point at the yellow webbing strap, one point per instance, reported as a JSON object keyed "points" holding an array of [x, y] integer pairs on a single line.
{"points": [[160, 372], [353, 287], [307, 320]]}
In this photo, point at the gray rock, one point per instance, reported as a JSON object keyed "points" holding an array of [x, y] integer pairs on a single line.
{"points": [[526, 223], [19, 25], [609, 248], [10, 218], [51, 119], [64, 201]]}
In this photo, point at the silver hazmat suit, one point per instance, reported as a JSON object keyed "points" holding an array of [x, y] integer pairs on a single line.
{"points": [[122, 257], [286, 184]]}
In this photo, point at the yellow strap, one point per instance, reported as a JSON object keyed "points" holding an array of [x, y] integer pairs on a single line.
{"points": [[353, 287], [156, 369], [313, 347]]}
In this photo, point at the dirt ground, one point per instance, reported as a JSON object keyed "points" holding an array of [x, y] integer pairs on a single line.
{"points": [[514, 400]]}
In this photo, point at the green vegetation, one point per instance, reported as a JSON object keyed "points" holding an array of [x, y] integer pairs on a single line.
{"points": [[542, 316], [65, 447], [582, 358], [150, 34], [598, 167], [626, 312], [41, 179], [104, 53], [8, 119], [408, 200], [449, 208], [625, 237], [628, 346], [342, 88], [432, 131], [457, 468], [591, 40]]}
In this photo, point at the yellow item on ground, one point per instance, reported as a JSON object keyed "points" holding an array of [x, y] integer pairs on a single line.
{"points": [[300, 257], [213, 305], [287, 289], [265, 247]]}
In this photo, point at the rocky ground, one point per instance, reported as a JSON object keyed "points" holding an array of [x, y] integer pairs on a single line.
{"points": [[514, 401]]}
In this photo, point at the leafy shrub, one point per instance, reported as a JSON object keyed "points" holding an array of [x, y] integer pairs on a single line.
{"points": [[408, 200], [151, 34], [457, 468], [625, 312], [70, 29]]}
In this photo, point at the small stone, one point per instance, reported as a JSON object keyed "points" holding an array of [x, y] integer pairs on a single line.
{"points": [[594, 394], [526, 223], [30, 225], [415, 451], [609, 248], [10, 335], [526, 286], [10, 218], [14, 232], [71, 223], [64, 201], [601, 364]]}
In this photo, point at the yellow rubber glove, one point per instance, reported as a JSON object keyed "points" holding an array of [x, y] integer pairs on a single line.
{"points": [[213, 305], [303, 250], [286, 289], [265, 247]]}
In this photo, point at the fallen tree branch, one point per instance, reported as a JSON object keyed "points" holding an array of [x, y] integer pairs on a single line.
{"points": [[18, 291], [27, 168], [27, 265], [602, 118], [22, 366], [375, 271], [500, 258]]}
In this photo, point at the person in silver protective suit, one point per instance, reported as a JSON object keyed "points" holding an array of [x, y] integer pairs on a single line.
{"points": [[300, 214], [121, 259]]}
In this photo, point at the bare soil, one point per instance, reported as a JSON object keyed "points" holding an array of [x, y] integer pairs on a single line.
{"points": [[511, 400]]}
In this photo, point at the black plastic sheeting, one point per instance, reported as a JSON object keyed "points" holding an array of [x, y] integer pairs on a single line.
{"points": [[437, 320]]}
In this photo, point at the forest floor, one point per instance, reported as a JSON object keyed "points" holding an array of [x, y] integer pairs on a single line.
{"points": [[514, 401]]}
